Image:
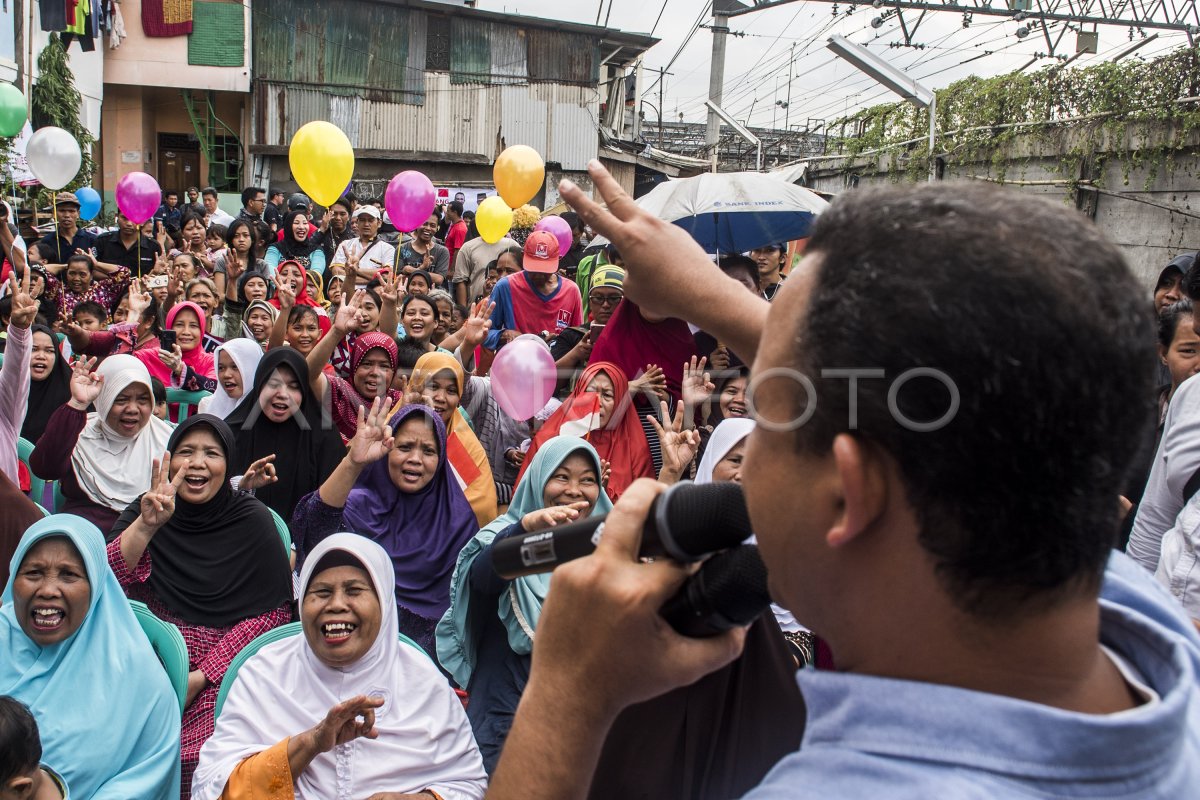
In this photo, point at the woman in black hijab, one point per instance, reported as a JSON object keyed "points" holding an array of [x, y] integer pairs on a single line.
{"points": [[50, 382], [281, 416], [205, 558]]}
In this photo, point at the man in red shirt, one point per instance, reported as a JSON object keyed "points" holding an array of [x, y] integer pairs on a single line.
{"points": [[457, 235]]}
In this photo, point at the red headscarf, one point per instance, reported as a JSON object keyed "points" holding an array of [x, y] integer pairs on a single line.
{"points": [[346, 399], [302, 298], [201, 362], [621, 442]]}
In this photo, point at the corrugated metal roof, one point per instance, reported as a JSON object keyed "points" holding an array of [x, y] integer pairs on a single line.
{"points": [[470, 52]]}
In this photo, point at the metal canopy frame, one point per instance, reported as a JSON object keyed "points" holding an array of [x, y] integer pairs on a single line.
{"points": [[1170, 15]]}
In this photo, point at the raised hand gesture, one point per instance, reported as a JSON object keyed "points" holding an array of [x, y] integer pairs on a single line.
{"points": [[679, 446], [554, 515], [85, 383], [286, 298], [139, 300], [259, 474], [158, 504], [233, 265], [373, 440], [175, 282], [389, 289], [347, 318], [342, 723], [24, 307], [697, 385], [605, 471], [477, 324], [652, 380]]}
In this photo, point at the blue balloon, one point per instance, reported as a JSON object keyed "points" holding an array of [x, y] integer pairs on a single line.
{"points": [[89, 202]]}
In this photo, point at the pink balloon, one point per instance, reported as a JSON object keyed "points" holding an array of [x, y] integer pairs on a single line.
{"points": [[138, 196], [523, 376], [561, 230], [409, 200]]}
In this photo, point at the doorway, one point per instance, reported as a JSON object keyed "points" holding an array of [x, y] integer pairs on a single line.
{"points": [[178, 163]]}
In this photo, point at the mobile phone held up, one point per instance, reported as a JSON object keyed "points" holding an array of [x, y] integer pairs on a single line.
{"points": [[167, 339], [594, 332]]}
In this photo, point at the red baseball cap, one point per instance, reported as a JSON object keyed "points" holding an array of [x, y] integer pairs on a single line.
{"points": [[541, 252]]}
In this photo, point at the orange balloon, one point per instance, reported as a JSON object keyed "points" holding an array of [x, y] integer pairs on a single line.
{"points": [[519, 175]]}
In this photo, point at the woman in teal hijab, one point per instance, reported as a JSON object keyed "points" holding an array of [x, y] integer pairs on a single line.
{"points": [[74, 653], [485, 638]]}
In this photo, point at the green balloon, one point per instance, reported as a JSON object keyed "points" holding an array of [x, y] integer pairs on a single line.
{"points": [[12, 110]]}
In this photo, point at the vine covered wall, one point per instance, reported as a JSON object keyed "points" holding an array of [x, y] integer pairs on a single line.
{"points": [[1142, 113]]}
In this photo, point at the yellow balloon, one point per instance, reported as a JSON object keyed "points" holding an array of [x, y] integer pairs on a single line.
{"points": [[493, 219], [519, 174], [322, 161]]}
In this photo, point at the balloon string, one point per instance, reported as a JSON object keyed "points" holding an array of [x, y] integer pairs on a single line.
{"points": [[57, 232]]}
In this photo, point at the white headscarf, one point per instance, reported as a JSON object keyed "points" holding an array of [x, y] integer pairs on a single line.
{"points": [[725, 437], [246, 353], [425, 741], [114, 470]]}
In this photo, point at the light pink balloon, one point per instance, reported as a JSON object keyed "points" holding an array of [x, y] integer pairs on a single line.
{"points": [[561, 230], [138, 196], [523, 376]]}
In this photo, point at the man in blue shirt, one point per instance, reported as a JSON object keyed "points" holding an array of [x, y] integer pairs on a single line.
{"points": [[57, 246], [946, 406]]}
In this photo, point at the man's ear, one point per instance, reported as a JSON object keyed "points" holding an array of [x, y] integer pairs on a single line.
{"points": [[862, 482]]}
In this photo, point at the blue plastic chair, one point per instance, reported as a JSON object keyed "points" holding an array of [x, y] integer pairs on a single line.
{"points": [[37, 486], [168, 645], [186, 401], [284, 531], [259, 642]]}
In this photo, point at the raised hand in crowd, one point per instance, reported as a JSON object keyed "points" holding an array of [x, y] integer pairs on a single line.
{"points": [[24, 307], [174, 284], [697, 387], [260, 473], [373, 439], [172, 359], [139, 300], [549, 517], [233, 266], [160, 265], [158, 504], [473, 330], [85, 384], [286, 298], [679, 444], [389, 286], [605, 471], [652, 380], [719, 358], [348, 317]]}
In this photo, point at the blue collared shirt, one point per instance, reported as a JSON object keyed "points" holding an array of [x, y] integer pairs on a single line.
{"points": [[871, 737]]}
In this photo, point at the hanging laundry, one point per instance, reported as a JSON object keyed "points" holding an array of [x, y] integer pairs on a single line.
{"points": [[54, 14], [82, 25], [116, 31], [167, 17]]}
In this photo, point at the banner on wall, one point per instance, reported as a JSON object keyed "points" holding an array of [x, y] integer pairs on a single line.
{"points": [[469, 196], [18, 164]]}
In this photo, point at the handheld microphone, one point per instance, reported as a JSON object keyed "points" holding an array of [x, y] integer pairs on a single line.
{"points": [[686, 523], [728, 591]]}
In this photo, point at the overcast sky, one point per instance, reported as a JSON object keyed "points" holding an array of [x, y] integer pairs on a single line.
{"points": [[823, 87]]}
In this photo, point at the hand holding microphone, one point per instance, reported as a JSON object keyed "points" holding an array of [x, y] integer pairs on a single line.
{"points": [[685, 523]]}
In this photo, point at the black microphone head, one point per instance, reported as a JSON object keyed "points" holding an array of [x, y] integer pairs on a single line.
{"points": [[728, 591], [696, 519]]}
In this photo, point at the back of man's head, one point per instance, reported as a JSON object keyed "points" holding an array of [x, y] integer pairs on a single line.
{"points": [[1042, 345]]}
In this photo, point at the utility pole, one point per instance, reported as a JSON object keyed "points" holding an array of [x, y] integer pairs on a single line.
{"points": [[716, 76], [787, 110], [662, 78]]}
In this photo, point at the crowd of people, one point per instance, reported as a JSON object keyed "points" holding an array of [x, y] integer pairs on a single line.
{"points": [[280, 434]]}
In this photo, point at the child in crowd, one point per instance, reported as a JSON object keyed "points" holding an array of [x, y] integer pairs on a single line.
{"points": [[22, 775], [159, 390], [91, 316]]}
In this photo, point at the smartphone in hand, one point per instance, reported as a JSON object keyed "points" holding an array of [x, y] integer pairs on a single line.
{"points": [[167, 339]]}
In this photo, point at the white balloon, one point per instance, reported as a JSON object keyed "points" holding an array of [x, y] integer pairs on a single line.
{"points": [[54, 157]]}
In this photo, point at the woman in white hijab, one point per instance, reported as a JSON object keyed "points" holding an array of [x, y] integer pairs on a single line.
{"points": [[722, 460], [104, 458], [236, 362], [346, 709]]}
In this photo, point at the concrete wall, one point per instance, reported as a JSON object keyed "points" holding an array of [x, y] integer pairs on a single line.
{"points": [[88, 68], [163, 61], [1151, 217]]}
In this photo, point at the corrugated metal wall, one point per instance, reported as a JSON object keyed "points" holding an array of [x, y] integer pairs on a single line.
{"points": [[558, 121]]}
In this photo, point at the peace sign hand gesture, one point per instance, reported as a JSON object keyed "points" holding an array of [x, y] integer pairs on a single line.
{"points": [[346, 319], [373, 440], [389, 291], [158, 504]]}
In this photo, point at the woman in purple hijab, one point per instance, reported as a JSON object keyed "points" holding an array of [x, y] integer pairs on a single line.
{"points": [[395, 487]]}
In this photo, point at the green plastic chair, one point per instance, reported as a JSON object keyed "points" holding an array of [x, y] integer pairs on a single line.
{"points": [[186, 401], [285, 532], [259, 642], [168, 645], [37, 486], [45, 511]]}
